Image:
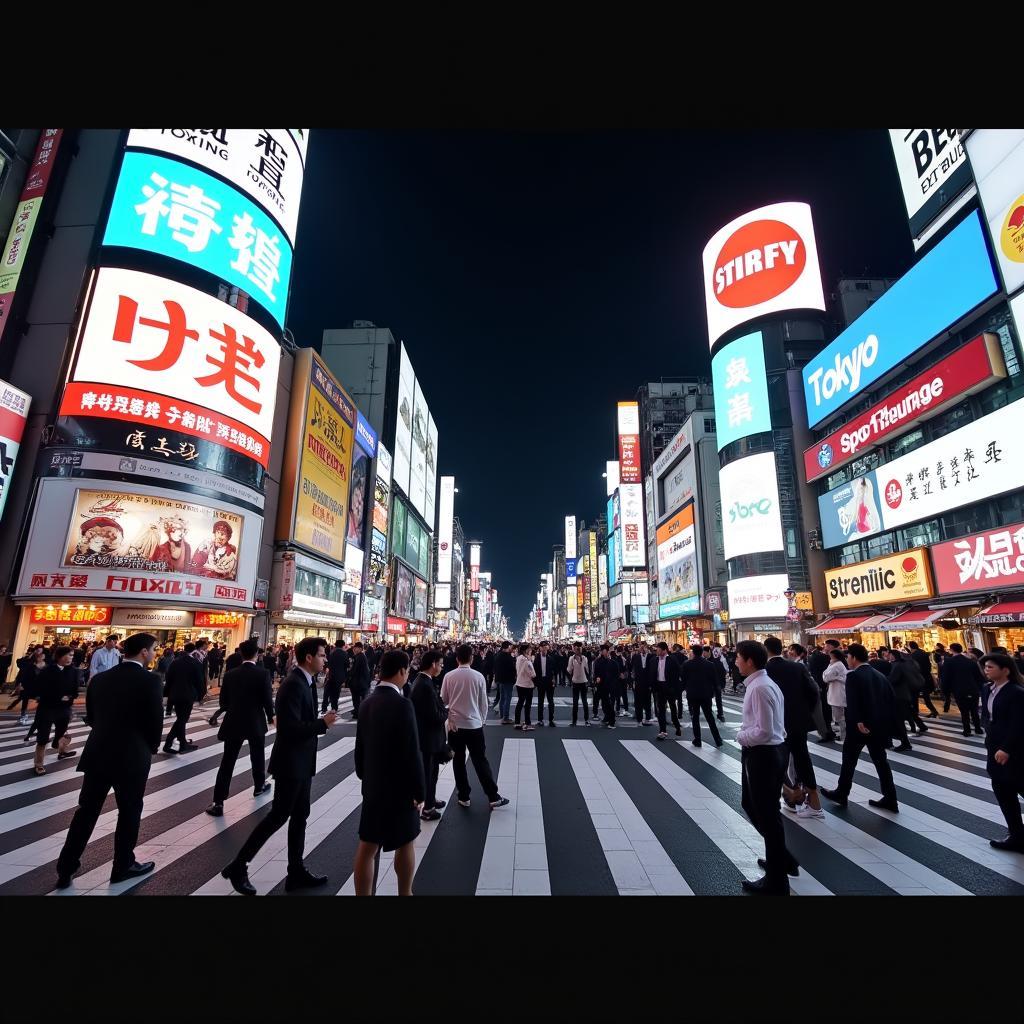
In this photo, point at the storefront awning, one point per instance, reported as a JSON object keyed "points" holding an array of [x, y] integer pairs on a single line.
{"points": [[845, 624], [916, 618], [1005, 613]]}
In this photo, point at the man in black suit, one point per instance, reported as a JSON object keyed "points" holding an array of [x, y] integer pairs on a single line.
{"points": [[233, 662], [544, 681], [505, 677], [606, 684], [924, 664], [962, 678], [248, 703], [358, 678], [431, 714], [719, 669], [799, 695], [663, 680], [293, 765], [338, 663], [1003, 714], [389, 761], [817, 662], [870, 709], [185, 684], [698, 678], [125, 710], [641, 689]]}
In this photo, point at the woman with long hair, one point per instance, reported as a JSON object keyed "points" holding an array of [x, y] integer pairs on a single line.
{"points": [[525, 673]]}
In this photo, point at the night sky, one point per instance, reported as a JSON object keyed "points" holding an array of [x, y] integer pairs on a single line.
{"points": [[537, 279]]}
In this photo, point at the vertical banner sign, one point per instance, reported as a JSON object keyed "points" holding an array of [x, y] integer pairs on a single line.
{"points": [[445, 530], [633, 536], [14, 406], [629, 442], [611, 472], [593, 564], [26, 214], [474, 567], [570, 537]]}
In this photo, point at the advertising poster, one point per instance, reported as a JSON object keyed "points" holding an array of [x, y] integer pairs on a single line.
{"points": [[14, 406], [758, 597], [418, 458], [431, 495], [891, 580], [357, 496], [403, 425], [751, 520], [678, 584], [993, 560], [634, 543], [850, 512], [740, 384]]}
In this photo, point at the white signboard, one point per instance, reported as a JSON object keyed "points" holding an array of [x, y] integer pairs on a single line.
{"points": [[976, 462], [750, 506], [14, 406], [634, 543], [431, 494], [611, 473], [265, 163], [758, 597], [442, 596], [403, 426], [679, 484], [446, 530], [763, 262], [418, 458], [570, 536], [675, 448]]}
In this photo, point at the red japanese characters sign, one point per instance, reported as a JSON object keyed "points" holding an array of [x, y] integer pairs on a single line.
{"points": [[993, 560], [163, 355], [218, 620], [629, 442], [56, 616], [970, 368]]}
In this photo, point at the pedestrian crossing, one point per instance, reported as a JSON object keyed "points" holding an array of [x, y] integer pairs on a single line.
{"points": [[597, 812]]}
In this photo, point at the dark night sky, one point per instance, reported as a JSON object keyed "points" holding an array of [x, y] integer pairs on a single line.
{"points": [[539, 278]]}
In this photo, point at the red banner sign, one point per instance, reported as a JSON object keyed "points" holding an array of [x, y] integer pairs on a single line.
{"points": [[51, 615], [218, 620], [397, 625], [629, 458], [993, 560], [970, 368]]}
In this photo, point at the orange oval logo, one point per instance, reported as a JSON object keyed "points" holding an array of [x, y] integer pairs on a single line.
{"points": [[758, 262]]}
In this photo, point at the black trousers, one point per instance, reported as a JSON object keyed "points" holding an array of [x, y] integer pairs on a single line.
{"points": [[968, 705], [597, 699], [899, 729], [621, 696], [796, 747], [677, 700], [525, 695], [1006, 793], [332, 694], [257, 758], [926, 696], [719, 690], [855, 742], [177, 731], [642, 702], [661, 699], [697, 705], [826, 710], [545, 691], [430, 770], [128, 792], [604, 692], [763, 771], [357, 699], [472, 740], [579, 690], [291, 804]]}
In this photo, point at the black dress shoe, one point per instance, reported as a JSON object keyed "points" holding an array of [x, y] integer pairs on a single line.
{"points": [[440, 803], [64, 881], [832, 795], [169, 750], [187, 746], [215, 810], [265, 788], [793, 870], [887, 805], [902, 748], [134, 871], [1009, 843], [679, 732], [762, 888], [696, 743], [238, 876], [304, 879]]}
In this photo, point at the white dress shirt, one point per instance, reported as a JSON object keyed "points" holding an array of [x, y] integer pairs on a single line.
{"points": [[762, 712], [996, 687], [835, 676], [661, 668], [103, 659], [543, 665], [464, 692], [309, 678]]}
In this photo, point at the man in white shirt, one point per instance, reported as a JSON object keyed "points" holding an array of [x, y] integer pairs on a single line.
{"points": [[464, 693], [762, 737], [105, 657]]}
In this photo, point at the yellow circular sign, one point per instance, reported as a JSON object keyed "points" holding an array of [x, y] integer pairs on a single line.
{"points": [[1011, 238]]}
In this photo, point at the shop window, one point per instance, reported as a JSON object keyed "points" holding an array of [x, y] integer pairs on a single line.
{"points": [[1009, 508], [866, 463], [312, 584], [1009, 350], [883, 544], [957, 417], [850, 555], [995, 398], [905, 444], [841, 476], [921, 534], [791, 548], [964, 521]]}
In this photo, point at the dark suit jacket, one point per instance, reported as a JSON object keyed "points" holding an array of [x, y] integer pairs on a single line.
{"points": [[234, 660], [185, 681], [607, 670], [548, 678], [125, 710], [53, 684], [924, 665], [869, 699], [294, 753], [387, 755], [638, 670], [431, 714], [961, 675], [359, 674], [672, 683], [799, 692], [698, 678], [338, 664], [1005, 731], [719, 669], [905, 680], [248, 702], [504, 668], [881, 665], [817, 662]]}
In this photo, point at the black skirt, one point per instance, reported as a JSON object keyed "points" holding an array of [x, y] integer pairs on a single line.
{"points": [[57, 718], [388, 826]]}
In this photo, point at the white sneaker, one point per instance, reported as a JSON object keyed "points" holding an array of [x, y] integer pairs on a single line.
{"points": [[795, 809], [23, 720], [805, 810]]}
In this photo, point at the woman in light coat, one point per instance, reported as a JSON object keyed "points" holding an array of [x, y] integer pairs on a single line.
{"points": [[835, 676], [525, 673]]}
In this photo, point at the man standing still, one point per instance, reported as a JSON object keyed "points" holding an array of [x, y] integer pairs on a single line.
{"points": [[606, 682], [359, 678], [125, 710], [663, 680], [762, 739], [962, 678], [464, 693], [247, 701], [505, 677], [579, 676], [698, 677], [337, 675], [544, 681], [641, 687], [431, 715], [293, 765], [388, 760]]}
